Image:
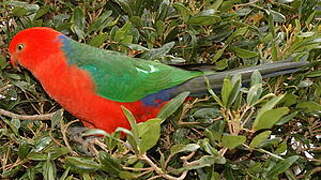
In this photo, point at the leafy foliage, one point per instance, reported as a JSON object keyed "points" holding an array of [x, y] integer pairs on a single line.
{"points": [[267, 130]]}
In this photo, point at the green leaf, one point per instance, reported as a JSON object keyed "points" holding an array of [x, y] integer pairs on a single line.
{"points": [[217, 4], [258, 139], [236, 89], [270, 104], [160, 27], [289, 100], [123, 35], [267, 119], [163, 8], [31, 8], [109, 164], [244, 53], [100, 23], [80, 33], [133, 135], [206, 146], [254, 94], [98, 40], [132, 121], [232, 142], [244, 11], [65, 174], [82, 164], [315, 73], [204, 161], [78, 18], [55, 153], [212, 93], [183, 11], [93, 132], [3, 62], [177, 148], [19, 11], [158, 52], [127, 175], [78, 23], [23, 150], [135, 47], [309, 106], [213, 135], [278, 17], [172, 106], [14, 125], [256, 78], [305, 83], [42, 11], [49, 169], [286, 119], [237, 33], [221, 65], [226, 90], [149, 133], [207, 113], [281, 148], [133, 140], [219, 54], [42, 143], [203, 20], [282, 166], [56, 118]]}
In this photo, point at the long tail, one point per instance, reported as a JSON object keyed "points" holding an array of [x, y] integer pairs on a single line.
{"points": [[197, 86]]}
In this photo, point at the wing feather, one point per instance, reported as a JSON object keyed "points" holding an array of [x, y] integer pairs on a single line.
{"points": [[121, 78]]}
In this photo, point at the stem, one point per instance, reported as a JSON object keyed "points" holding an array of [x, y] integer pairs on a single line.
{"points": [[64, 129], [41, 117], [159, 171], [265, 151]]}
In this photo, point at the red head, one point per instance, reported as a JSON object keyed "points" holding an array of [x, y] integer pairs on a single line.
{"points": [[32, 46]]}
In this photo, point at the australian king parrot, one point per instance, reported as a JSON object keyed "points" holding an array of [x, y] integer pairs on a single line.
{"points": [[93, 84]]}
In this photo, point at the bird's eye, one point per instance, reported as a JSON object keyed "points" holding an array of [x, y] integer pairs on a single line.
{"points": [[20, 47]]}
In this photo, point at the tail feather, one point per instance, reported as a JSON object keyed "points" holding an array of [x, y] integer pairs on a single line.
{"points": [[197, 86]]}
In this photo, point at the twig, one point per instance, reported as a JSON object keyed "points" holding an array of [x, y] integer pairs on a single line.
{"points": [[187, 107], [159, 171], [5, 87], [41, 117], [154, 177], [248, 117], [145, 171], [223, 151], [246, 4], [64, 136], [264, 151], [137, 169], [188, 157]]}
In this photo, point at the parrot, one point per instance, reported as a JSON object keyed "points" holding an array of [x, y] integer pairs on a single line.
{"points": [[94, 84]]}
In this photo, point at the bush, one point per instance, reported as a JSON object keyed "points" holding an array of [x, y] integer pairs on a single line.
{"points": [[269, 130]]}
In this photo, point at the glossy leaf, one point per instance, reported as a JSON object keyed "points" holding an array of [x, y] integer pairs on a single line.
{"points": [[244, 53], [82, 164], [184, 148], [149, 133], [203, 20], [282, 166], [232, 142], [267, 119], [258, 139], [172, 106]]}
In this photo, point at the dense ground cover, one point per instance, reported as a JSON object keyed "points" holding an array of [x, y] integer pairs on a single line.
{"points": [[268, 130]]}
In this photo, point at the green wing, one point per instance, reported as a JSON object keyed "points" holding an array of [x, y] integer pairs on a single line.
{"points": [[122, 78]]}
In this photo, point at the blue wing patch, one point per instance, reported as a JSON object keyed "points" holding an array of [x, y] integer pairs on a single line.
{"points": [[158, 98]]}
